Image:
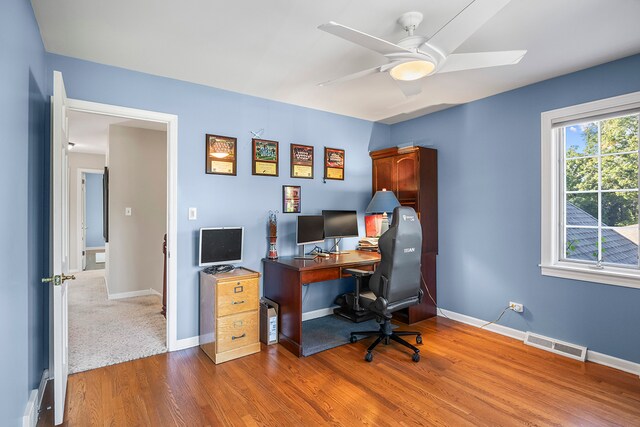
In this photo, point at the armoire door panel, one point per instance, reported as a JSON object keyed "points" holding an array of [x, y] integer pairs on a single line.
{"points": [[383, 175], [407, 176]]}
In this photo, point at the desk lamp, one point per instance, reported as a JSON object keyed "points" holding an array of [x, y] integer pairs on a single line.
{"points": [[383, 202]]}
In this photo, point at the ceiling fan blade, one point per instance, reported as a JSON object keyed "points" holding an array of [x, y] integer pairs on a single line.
{"points": [[410, 88], [469, 61], [375, 44], [465, 23], [351, 76]]}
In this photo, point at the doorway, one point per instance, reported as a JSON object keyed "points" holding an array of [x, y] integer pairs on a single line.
{"points": [[111, 318], [91, 219]]}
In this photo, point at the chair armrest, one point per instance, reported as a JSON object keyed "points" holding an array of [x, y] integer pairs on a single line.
{"points": [[357, 272]]}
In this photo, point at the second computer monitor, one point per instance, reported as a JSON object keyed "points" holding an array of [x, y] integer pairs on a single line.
{"points": [[339, 224], [310, 229]]}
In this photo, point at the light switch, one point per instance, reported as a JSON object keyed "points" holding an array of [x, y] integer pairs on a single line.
{"points": [[127, 211], [193, 214]]}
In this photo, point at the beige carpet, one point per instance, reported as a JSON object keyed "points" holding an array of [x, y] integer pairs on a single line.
{"points": [[105, 332]]}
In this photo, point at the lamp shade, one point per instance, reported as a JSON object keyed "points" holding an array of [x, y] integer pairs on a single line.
{"points": [[383, 202]]}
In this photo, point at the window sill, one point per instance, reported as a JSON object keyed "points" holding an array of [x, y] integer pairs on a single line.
{"points": [[607, 275]]}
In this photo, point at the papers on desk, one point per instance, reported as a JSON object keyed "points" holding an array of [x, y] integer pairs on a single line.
{"points": [[368, 244]]}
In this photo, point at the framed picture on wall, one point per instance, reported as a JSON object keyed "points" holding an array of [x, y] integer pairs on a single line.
{"points": [[291, 198], [221, 155], [265, 157], [301, 161], [333, 163]]}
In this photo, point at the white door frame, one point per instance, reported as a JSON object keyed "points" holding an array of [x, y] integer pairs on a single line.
{"points": [[81, 213], [171, 121]]}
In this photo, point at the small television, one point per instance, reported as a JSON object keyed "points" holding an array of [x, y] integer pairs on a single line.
{"points": [[220, 245], [309, 229], [338, 224]]}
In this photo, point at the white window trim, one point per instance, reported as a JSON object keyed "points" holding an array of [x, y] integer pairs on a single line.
{"points": [[550, 262]]}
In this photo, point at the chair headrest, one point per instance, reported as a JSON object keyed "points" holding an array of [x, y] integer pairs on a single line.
{"points": [[403, 214]]}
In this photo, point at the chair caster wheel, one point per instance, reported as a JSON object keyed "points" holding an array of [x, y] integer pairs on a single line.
{"points": [[415, 357], [353, 339], [419, 339], [368, 357]]}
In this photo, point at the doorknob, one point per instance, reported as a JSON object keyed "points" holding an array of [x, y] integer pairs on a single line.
{"points": [[58, 279]]}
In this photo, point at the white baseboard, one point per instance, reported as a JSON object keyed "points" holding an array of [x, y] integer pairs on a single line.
{"points": [[30, 417], [613, 362], [185, 343], [498, 329], [94, 248], [592, 356], [141, 293], [74, 270], [318, 313]]}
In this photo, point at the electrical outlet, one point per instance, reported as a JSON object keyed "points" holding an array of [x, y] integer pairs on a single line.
{"points": [[193, 214], [516, 306]]}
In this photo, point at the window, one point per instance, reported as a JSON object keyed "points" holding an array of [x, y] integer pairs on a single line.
{"points": [[590, 186]]}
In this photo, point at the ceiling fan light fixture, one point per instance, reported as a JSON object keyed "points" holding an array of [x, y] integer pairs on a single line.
{"points": [[412, 70]]}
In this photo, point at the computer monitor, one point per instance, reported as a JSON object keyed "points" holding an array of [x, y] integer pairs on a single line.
{"points": [[220, 245], [338, 224], [310, 229]]}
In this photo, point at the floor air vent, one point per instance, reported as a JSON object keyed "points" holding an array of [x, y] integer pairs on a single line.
{"points": [[559, 347]]}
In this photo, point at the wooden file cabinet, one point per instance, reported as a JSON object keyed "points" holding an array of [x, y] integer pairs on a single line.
{"points": [[229, 316]]}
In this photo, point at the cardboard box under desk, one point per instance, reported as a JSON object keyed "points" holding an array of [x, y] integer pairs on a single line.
{"points": [[268, 321]]}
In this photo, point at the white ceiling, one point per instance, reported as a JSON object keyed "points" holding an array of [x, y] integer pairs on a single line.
{"points": [[90, 132], [272, 49]]}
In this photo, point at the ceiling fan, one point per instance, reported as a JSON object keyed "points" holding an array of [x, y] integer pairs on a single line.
{"points": [[415, 56]]}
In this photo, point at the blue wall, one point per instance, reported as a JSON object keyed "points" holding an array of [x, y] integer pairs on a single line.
{"points": [[244, 199], [23, 300], [489, 214], [93, 211]]}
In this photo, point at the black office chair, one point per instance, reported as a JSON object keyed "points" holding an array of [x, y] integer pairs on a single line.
{"points": [[396, 282]]}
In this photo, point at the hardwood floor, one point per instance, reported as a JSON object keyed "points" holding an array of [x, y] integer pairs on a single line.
{"points": [[467, 376]]}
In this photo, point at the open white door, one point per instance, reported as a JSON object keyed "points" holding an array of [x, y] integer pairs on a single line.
{"points": [[59, 267]]}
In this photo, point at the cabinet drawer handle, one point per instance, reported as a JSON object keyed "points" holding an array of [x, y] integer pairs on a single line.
{"points": [[238, 302], [238, 289], [233, 337]]}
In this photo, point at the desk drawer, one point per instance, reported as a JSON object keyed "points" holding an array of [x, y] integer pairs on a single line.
{"points": [[312, 276], [237, 331], [237, 296]]}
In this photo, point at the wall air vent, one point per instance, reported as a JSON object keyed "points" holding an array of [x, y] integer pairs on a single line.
{"points": [[555, 346]]}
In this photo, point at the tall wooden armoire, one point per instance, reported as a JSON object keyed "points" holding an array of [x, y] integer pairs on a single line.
{"points": [[412, 174]]}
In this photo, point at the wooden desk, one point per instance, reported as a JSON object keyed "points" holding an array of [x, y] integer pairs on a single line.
{"points": [[285, 276]]}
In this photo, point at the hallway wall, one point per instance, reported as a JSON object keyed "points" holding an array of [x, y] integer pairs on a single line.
{"points": [[137, 180]]}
